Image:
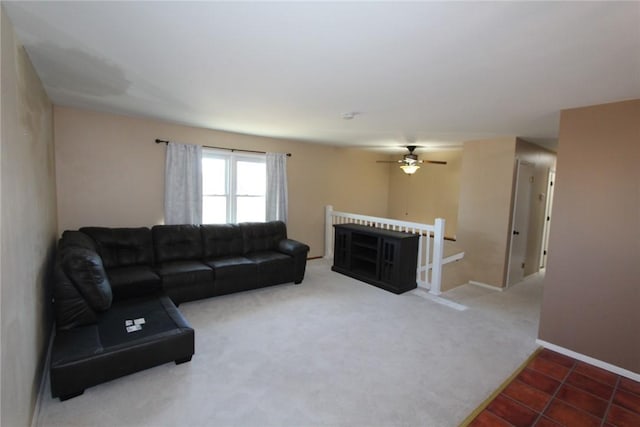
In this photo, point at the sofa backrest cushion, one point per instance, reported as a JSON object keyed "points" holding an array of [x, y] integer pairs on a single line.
{"points": [[221, 240], [71, 308], [262, 236], [71, 239], [121, 247], [177, 242], [84, 268]]}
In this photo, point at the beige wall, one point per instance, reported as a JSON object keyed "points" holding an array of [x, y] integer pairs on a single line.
{"points": [[486, 206], [591, 301], [484, 210], [28, 230], [432, 192], [111, 173]]}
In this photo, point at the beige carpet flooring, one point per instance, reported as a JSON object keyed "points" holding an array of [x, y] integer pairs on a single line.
{"points": [[330, 352]]}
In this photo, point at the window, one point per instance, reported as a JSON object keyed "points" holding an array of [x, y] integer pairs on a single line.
{"points": [[233, 187]]}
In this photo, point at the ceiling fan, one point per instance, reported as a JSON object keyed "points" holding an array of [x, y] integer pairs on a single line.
{"points": [[410, 163]]}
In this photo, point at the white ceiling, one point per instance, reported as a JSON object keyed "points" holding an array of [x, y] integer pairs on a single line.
{"points": [[434, 73]]}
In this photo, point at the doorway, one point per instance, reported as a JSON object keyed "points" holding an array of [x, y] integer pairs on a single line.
{"points": [[520, 222]]}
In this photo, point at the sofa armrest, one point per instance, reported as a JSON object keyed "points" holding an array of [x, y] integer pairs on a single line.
{"points": [[298, 251], [292, 247]]}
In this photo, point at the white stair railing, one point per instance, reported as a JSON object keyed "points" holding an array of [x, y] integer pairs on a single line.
{"points": [[430, 246]]}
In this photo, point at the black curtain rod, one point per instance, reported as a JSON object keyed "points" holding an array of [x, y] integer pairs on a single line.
{"points": [[164, 141]]}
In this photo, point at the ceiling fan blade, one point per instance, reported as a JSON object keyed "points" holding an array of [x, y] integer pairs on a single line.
{"points": [[407, 161], [435, 162]]}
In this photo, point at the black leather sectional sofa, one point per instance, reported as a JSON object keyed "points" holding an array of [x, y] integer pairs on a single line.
{"points": [[116, 292]]}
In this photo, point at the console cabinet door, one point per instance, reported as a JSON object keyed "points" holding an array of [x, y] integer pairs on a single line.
{"points": [[383, 258], [388, 261], [341, 248], [398, 262]]}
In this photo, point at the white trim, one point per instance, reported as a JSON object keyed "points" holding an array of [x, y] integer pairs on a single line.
{"points": [[530, 276], [424, 293], [448, 260], [590, 360], [386, 223], [453, 258], [231, 160], [43, 380], [548, 206], [485, 285]]}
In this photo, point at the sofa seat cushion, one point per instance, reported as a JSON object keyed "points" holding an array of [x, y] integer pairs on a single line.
{"points": [[162, 319], [227, 267], [181, 273], [273, 267], [186, 280], [234, 274], [133, 281], [89, 355]]}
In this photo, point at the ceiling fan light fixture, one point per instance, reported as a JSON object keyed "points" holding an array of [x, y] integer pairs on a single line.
{"points": [[409, 169]]}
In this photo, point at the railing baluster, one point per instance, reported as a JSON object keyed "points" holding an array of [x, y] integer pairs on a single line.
{"points": [[427, 277]]}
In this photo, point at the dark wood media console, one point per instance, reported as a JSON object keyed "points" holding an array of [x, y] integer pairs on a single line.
{"points": [[384, 258]]}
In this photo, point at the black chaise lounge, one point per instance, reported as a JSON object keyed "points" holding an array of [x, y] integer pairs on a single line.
{"points": [[116, 291]]}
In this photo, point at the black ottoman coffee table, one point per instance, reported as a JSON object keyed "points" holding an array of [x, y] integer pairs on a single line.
{"points": [[132, 335]]}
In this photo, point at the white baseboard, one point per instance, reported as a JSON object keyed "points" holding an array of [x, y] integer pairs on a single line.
{"points": [[424, 293], [43, 380], [484, 285], [590, 360], [453, 258], [531, 276]]}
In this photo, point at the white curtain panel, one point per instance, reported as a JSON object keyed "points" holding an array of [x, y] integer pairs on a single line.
{"points": [[183, 184], [276, 197]]}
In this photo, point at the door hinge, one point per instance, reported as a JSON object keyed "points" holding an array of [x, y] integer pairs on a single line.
{"points": [[531, 179], [523, 265]]}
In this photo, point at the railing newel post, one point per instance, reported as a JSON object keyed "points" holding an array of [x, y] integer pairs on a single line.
{"points": [[328, 231], [438, 250], [419, 272]]}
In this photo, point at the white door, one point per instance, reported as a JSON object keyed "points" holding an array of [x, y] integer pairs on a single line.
{"points": [[520, 223], [547, 220]]}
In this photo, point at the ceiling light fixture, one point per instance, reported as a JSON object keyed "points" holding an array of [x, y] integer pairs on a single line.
{"points": [[350, 115], [409, 169]]}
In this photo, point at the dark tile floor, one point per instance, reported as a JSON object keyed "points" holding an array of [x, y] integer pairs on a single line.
{"points": [[556, 390]]}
